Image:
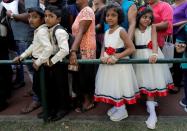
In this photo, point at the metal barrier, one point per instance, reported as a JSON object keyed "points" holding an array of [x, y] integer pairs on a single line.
{"points": [[121, 61], [93, 61]]}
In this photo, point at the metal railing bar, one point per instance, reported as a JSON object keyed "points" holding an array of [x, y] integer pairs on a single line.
{"points": [[121, 61]]}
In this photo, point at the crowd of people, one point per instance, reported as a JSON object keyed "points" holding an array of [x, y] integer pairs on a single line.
{"points": [[106, 30]]}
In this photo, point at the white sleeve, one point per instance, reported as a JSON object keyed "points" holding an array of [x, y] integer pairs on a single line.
{"points": [[62, 40], [44, 40], [27, 52]]}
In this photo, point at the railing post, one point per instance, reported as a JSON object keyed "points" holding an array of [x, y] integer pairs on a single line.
{"points": [[43, 93]]}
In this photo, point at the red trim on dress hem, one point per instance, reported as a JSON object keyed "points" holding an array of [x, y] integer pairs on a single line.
{"points": [[157, 92], [170, 86], [153, 94], [116, 103]]}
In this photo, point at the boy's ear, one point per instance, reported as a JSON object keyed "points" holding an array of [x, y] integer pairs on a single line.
{"points": [[43, 20], [59, 19]]}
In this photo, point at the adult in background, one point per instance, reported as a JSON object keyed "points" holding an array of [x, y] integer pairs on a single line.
{"points": [[42, 2], [23, 34], [179, 34], [73, 11], [163, 17], [130, 11], [99, 6], [5, 70], [83, 29]]}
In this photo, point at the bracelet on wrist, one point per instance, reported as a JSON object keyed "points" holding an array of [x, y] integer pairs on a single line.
{"points": [[72, 50]]}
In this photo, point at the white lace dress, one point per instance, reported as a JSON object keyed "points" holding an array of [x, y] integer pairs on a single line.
{"points": [[116, 84], [153, 79]]}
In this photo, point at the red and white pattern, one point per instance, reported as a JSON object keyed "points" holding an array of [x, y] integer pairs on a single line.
{"points": [[156, 92], [117, 102]]}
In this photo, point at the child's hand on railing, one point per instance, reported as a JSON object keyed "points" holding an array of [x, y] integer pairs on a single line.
{"points": [[50, 63], [104, 59], [36, 67], [153, 58], [17, 60], [112, 60]]}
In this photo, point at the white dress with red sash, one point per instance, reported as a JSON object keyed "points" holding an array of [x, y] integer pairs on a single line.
{"points": [[153, 79], [115, 84]]}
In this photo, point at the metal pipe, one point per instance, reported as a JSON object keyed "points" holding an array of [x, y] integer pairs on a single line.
{"points": [[98, 61]]}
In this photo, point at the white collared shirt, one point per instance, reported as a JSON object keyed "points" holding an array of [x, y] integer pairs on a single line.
{"points": [[61, 48], [41, 47]]}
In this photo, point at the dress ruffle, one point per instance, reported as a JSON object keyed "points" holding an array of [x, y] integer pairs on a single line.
{"points": [[156, 92], [116, 101]]}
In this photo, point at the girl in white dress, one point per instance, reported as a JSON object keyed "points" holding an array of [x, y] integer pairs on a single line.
{"points": [[153, 79], [116, 83]]}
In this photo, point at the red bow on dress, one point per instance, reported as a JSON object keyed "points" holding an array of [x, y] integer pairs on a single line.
{"points": [[150, 45], [110, 50]]}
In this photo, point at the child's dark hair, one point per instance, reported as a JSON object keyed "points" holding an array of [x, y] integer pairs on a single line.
{"points": [[54, 9], [117, 9], [59, 3], [38, 10], [142, 10]]}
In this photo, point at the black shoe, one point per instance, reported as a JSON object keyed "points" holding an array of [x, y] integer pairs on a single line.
{"points": [[19, 85], [50, 116], [3, 106], [40, 115], [60, 114]]}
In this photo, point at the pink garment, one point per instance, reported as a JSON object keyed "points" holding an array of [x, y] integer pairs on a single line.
{"points": [[88, 43], [162, 11]]}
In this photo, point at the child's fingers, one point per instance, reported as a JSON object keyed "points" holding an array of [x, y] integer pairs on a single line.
{"points": [[104, 59], [152, 59], [72, 60], [110, 61], [16, 60]]}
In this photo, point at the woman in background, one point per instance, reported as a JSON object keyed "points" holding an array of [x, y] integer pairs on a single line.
{"points": [[180, 39], [83, 29]]}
